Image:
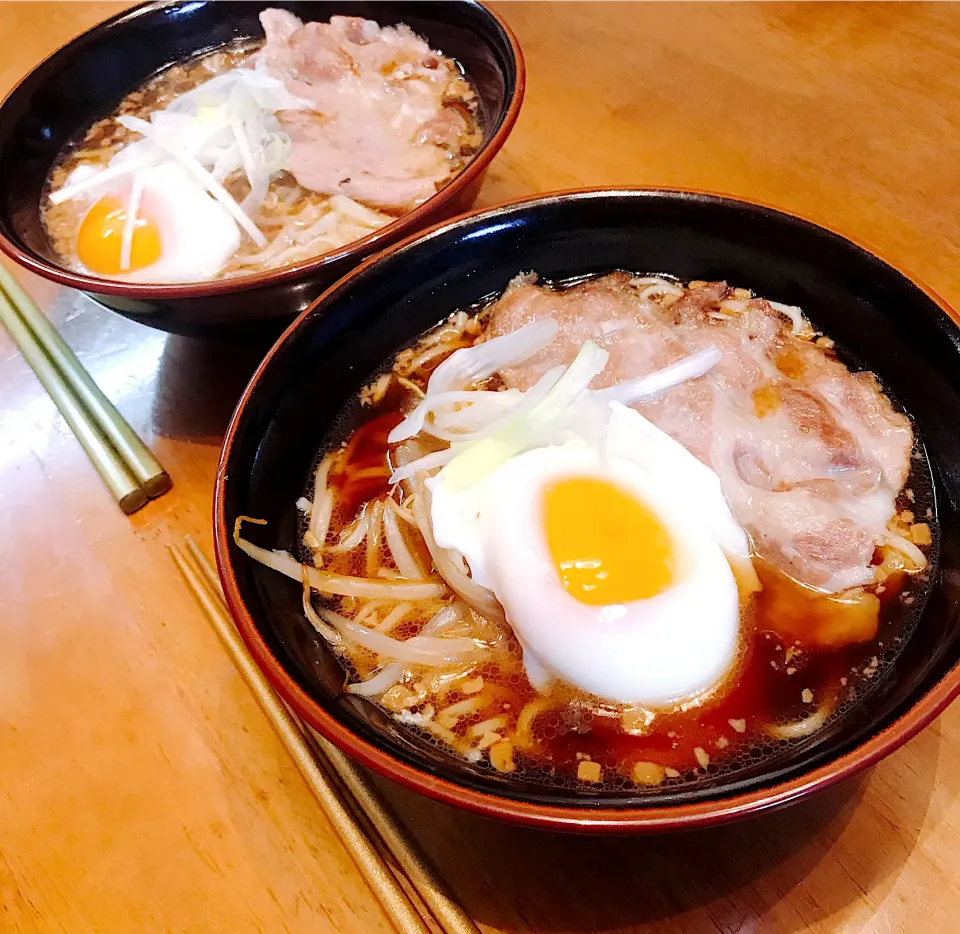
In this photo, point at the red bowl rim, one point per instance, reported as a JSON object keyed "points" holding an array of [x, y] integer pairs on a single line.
{"points": [[589, 818], [363, 247]]}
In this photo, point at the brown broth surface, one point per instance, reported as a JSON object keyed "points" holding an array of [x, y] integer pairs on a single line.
{"points": [[778, 680]]}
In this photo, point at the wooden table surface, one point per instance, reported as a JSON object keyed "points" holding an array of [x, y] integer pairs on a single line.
{"points": [[140, 787]]}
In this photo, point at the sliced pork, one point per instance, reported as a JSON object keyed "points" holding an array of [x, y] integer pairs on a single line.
{"points": [[386, 124], [811, 456]]}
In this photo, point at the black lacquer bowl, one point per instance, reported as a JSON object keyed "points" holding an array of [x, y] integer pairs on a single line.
{"points": [[87, 78], [889, 323]]}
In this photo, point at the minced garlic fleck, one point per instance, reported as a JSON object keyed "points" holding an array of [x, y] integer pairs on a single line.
{"points": [[501, 756], [398, 698], [589, 771], [635, 721], [671, 773], [473, 687], [739, 725], [371, 395], [648, 773], [723, 742], [806, 695], [702, 756], [920, 533]]}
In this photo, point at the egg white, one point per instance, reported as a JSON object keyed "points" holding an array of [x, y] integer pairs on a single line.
{"points": [[197, 235], [658, 652]]}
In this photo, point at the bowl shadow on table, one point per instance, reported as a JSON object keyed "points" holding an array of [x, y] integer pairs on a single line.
{"points": [[199, 383], [720, 879]]}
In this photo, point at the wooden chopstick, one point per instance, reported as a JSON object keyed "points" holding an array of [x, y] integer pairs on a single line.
{"points": [[110, 424], [444, 909], [381, 880], [448, 913]]}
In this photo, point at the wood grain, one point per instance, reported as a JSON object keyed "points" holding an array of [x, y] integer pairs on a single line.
{"points": [[141, 789]]}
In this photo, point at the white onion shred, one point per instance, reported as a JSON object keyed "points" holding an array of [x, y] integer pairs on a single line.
{"points": [[468, 422], [471, 364], [525, 402], [653, 384], [477, 401], [487, 419], [192, 165], [97, 180], [427, 462], [484, 455], [469, 430], [130, 224], [906, 547], [795, 314]]}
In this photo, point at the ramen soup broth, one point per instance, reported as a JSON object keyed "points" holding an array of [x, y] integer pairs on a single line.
{"points": [[802, 657], [307, 161]]}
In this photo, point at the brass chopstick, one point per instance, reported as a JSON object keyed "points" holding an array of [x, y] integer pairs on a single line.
{"points": [[381, 880], [444, 908], [111, 424], [124, 486]]}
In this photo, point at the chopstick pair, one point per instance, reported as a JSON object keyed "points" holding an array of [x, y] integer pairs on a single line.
{"points": [[356, 810], [130, 471]]}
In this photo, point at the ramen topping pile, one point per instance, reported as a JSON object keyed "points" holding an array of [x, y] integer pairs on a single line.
{"points": [[810, 456], [625, 533], [249, 160]]}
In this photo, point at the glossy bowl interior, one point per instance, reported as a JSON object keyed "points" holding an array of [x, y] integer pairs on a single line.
{"points": [[292, 405], [87, 78]]}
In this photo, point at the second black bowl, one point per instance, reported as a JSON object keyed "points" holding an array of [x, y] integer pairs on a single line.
{"points": [[892, 325], [87, 78]]}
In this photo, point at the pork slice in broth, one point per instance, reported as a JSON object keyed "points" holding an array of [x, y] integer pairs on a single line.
{"points": [[381, 129], [343, 157], [606, 311], [811, 457]]}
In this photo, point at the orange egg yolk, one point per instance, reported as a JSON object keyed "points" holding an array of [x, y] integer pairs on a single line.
{"points": [[100, 241], [606, 545]]}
